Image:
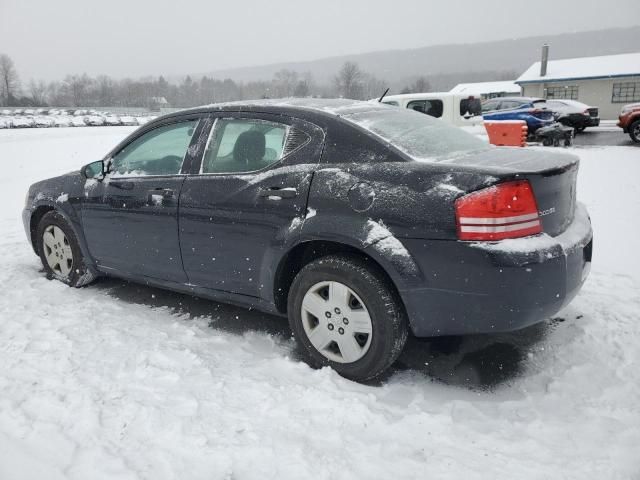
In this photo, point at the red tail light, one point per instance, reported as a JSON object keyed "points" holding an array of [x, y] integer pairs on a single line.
{"points": [[506, 210]]}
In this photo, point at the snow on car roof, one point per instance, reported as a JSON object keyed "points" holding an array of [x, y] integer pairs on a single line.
{"points": [[627, 64], [480, 88], [329, 105]]}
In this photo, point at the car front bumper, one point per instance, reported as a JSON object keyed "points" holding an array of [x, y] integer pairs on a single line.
{"points": [[26, 223], [497, 287]]}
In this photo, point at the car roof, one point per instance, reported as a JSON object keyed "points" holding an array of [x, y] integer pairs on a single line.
{"points": [[420, 96], [566, 101], [318, 107], [518, 99]]}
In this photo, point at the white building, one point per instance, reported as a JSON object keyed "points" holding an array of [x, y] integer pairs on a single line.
{"points": [[607, 82], [486, 90]]}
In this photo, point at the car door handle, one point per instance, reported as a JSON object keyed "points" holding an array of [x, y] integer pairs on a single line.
{"points": [[165, 192], [157, 195], [278, 192]]}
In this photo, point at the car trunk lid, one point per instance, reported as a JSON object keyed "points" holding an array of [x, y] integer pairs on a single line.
{"points": [[552, 177]]}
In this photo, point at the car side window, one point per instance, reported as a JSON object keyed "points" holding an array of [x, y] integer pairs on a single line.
{"points": [[509, 105], [158, 152], [244, 145], [470, 106], [490, 106], [432, 108]]}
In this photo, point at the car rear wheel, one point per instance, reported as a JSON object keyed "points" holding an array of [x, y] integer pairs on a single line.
{"points": [[60, 252], [344, 313], [634, 131], [580, 129]]}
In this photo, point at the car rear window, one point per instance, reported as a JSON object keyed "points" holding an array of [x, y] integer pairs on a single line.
{"points": [[421, 137], [542, 104]]}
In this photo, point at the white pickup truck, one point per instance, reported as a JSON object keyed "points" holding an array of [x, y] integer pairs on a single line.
{"points": [[456, 109]]}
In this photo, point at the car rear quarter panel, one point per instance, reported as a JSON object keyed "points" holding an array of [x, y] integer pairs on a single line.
{"points": [[377, 207]]}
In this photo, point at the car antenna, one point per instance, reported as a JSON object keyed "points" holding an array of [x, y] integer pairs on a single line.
{"points": [[385, 92]]}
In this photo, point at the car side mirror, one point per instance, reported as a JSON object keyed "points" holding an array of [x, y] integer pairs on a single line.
{"points": [[93, 170]]}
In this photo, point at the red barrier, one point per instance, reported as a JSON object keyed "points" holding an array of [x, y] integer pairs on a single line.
{"points": [[507, 133]]}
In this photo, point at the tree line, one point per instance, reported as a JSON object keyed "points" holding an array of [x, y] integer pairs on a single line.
{"points": [[82, 90]]}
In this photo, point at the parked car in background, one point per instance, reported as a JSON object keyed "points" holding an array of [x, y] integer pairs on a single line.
{"points": [[42, 121], [62, 121], [629, 121], [112, 120], [128, 120], [534, 111], [455, 109], [94, 120], [78, 121], [358, 221], [23, 122], [574, 114], [5, 112]]}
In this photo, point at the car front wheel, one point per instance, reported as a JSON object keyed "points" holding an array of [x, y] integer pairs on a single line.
{"points": [[345, 314], [634, 131], [60, 252]]}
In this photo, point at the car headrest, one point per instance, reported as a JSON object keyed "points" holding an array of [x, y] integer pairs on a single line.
{"points": [[249, 147]]}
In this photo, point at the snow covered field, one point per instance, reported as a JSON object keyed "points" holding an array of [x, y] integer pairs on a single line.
{"points": [[120, 381]]}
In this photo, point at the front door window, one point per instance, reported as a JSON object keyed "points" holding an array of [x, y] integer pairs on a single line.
{"points": [[158, 152]]}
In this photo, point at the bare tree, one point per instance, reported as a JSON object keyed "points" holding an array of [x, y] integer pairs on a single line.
{"points": [[284, 83], [349, 81], [303, 89], [105, 91], [373, 87], [77, 88], [38, 92], [421, 85], [9, 81]]}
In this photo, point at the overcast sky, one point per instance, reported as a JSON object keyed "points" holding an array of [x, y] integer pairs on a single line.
{"points": [[50, 38]]}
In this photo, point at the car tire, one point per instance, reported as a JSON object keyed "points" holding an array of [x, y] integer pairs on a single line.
{"points": [[634, 131], [345, 292], [579, 129], [60, 252]]}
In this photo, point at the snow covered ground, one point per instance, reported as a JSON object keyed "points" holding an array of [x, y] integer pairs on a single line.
{"points": [[122, 381]]}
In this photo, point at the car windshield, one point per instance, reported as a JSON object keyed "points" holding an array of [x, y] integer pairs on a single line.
{"points": [[420, 136]]}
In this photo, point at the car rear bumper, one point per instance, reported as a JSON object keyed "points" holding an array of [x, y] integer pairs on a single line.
{"points": [[578, 120], [496, 287], [592, 122]]}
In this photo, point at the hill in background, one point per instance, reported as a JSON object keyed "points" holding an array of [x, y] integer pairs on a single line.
{"points": [[446, 65]]}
